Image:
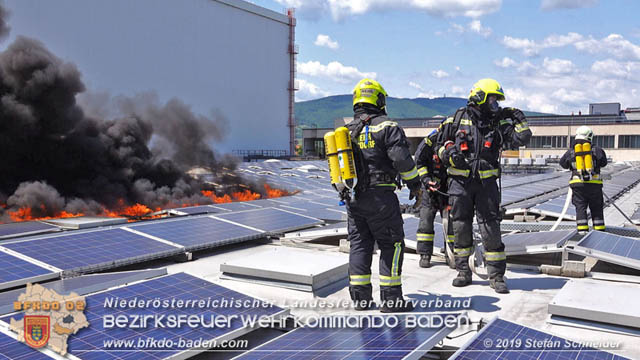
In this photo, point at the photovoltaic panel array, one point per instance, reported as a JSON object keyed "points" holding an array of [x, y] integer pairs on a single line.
{"points": [[399, 342], [198, 232], [25, 228], [610, 247], [88, 343], [92, 250], [196, 210], [524, 343], [410, 229], [13, 269], [270, 219], [536, 242], [11, 349]]}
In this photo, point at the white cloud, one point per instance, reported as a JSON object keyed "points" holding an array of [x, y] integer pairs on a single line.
{"points": [[557, 66], [611, 67], [309, 91], [440, 74], [457, 28], [458, 91], [340, 9], [505, 62], [561, 86], [326, 41], [526, 46], [415, 85], [476, 26], [532, 48], [614, 44], [549, 5], [334, 71]]}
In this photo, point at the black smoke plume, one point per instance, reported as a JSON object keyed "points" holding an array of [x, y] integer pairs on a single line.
{"points": [[55, 156]]}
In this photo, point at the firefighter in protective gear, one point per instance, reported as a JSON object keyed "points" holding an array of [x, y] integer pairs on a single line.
{"points": [[470, 143], [382, 152], [585, 162], [433, 176]]}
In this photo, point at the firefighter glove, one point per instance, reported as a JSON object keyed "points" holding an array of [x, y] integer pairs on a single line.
{"points": [[514, 114]]}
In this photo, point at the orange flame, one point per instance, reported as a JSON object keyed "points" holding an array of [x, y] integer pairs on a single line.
{"points": [[246, 195], [24, 214], [216, 199], [141, 210], [274, 193]]}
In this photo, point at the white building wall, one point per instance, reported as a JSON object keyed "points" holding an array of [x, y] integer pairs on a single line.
{"points": [[225, 56]]}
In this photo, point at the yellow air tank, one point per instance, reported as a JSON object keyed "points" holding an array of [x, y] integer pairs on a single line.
{"points": [[346, 158], [579, 159], [588, 159], [331, 152]]}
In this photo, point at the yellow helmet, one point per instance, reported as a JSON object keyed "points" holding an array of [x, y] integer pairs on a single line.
{"points": [[370, 92], [483, 88]]}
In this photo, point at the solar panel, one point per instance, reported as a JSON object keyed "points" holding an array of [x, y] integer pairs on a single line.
{"points": [[237, 206], [92, 249], [555, 205], [25, 228], [82, 285], [536, 242], [270, 219], [89, 342], [11, 349], [610, 247], [195, 210], [410, 229], [343, 342], [501, 339], [197, 233], [15, 271]]}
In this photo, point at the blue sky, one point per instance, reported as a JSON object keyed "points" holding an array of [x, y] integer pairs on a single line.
{"points": [[550, 55]]}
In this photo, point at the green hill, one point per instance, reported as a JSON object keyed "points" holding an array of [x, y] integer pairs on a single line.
{"points": [[322, 112]]}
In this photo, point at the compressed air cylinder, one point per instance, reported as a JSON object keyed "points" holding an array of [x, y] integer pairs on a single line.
{"points": [[331, 152], [346, 158], [588, 159], [579, 158]]}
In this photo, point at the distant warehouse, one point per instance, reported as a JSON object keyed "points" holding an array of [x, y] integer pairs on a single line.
{"points": [[618, 132]]}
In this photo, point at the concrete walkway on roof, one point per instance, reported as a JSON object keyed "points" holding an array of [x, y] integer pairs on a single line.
{"points": [[526, 304]]}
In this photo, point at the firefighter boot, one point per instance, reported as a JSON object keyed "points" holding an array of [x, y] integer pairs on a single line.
{"points": [[499, 285], [425, 261], [393, 301], [463, 279], [361, 297]]}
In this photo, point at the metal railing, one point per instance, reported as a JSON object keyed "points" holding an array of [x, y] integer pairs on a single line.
{"points": [[254, 155], [534, 120]]}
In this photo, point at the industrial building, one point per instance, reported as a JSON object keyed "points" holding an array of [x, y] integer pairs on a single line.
{"points": [[618, 132], [228, 60]]}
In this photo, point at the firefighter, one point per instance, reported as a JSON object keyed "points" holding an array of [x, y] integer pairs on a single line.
{"points": [[586, 183], [382, 152], [470, 143], [433, 177]]}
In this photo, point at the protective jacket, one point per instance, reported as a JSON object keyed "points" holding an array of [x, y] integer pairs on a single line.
{"points": [[568, 161], [478, 142], [384, 150], [430, 168]]}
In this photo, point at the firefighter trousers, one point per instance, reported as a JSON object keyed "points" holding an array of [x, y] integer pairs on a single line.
{"points": [[430, 205], [483, 197], [588, 196], [374, 216]]}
